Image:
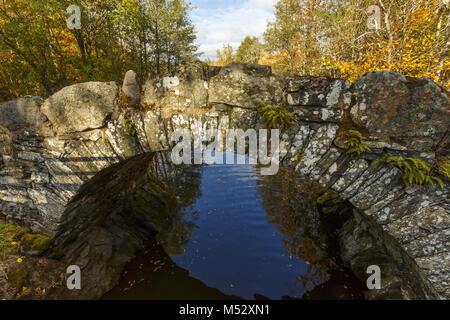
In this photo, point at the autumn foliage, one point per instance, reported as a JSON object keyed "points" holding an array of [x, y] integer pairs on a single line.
{"points": [[332, 38], [39, 54]]}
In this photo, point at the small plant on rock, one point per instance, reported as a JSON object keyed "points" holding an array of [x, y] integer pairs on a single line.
{"points": [[356, 143], [276, 116], [327, 196], [414, 170], [298, 157], [443, 167], [129, 126]]}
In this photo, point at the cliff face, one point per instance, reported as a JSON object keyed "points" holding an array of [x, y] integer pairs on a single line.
{"points": [[49, 151]]}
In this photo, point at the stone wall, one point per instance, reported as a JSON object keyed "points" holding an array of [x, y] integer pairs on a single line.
{"points": [[53, 149]]}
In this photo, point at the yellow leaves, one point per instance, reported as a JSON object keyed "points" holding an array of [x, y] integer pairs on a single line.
{"points": [[414, 56], [40, 291], [348, 70], [273, 59], [350, 51], [224, 56]]}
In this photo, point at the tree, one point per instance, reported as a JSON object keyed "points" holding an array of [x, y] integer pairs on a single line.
{"points": [[180, 44], [414, 41], [157, 33], [99, 55], [39, 54], [32, 43], [296, 35], [225, 56], [250, 51], [319, 37]]}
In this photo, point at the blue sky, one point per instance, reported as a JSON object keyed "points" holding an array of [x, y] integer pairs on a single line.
{"points": [[221, 22]]}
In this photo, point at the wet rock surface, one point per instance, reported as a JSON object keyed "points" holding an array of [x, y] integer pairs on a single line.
{"points": [[102, 229]]}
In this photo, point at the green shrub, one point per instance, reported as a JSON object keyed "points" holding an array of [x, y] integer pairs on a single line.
{"points": [[276, 116]]}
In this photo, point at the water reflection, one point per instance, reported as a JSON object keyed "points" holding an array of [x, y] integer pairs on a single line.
{"points": [[243, 234], [291, 202], [184, 182]]}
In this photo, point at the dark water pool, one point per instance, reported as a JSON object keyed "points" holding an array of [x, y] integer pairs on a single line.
{"points": [[243, 236]]}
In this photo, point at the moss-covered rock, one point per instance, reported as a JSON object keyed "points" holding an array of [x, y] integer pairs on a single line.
{"points": [[331, 203], [329, 195], [36, 242]]}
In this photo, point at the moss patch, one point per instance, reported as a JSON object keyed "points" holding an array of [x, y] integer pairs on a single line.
{"points": [[9, 237], [36, 242], [327, 196], [129, 127], [17, 276], [298, 157], [26, 277]]}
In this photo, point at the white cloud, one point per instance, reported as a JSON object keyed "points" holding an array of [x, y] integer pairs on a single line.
{"points": [[230, 23]]}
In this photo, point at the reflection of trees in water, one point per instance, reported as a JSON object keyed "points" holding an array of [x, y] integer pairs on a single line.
{"points": [[291, 201], [183, 183]]}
